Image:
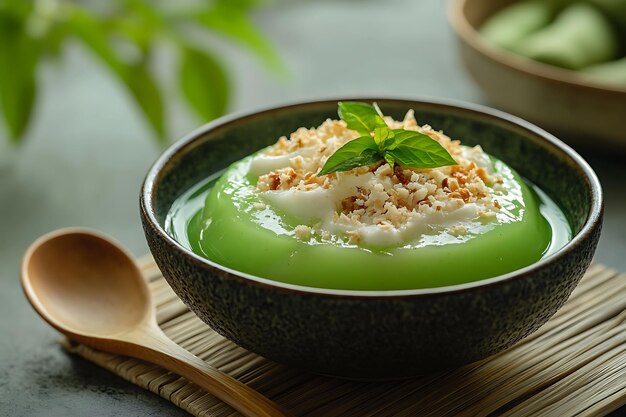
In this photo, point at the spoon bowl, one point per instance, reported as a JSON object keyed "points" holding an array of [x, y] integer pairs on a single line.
{"points": [[84, 284], [90, 289]]}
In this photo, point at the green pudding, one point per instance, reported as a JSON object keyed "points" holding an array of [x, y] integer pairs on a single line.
{"points": [[226, 219]]}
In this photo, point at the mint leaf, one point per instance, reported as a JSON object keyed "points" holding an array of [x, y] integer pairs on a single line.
{"points": [[389, 159], [360, 117], [381, 135], [398, 146], [358, 152], [417, 150]]}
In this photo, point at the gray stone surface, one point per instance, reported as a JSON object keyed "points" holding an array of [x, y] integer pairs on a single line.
{"points": [[88, 150]]}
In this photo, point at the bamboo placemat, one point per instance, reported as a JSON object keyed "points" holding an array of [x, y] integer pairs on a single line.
{"points": [[573, 365]]}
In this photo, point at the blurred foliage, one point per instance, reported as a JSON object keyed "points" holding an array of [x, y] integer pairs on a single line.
{"points": [[122, 35]]}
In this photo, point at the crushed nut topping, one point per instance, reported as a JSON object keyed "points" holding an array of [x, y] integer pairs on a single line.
{"points": [[386, 197]]}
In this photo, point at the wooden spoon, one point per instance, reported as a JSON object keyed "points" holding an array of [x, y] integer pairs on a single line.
{"points": [[89, 288]]}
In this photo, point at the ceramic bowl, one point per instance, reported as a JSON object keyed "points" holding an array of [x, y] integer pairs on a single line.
{"points": [[375, 334], [559, 100]]}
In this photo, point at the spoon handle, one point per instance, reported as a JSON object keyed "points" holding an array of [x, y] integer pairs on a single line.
{"points": [[152, 345]]}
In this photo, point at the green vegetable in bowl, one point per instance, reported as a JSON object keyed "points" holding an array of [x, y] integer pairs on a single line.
{"points": [[580, 36], [615, 9], [613, 72], [514, 23]]}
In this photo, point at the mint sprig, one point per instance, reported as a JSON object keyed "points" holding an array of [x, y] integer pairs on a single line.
{"points": [[360, 117], [380, 143]]}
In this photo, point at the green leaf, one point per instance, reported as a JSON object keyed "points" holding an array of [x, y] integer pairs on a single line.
{"points": [[382, 135], [360, 117], [241, 4], [18, 9], [148, 14], [417, 150], [92, 33], [131, 29], [358, 152], [146, 92], [232, 22], [136, 77], [404, 147], [389, 159], [19, 54], [204, 83], [55, 39]]}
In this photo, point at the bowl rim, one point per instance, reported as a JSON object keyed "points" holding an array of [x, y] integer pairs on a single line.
{"points": [[469, 34], [149, 185]]}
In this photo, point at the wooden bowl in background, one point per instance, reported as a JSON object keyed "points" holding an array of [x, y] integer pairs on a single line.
{"points": [[562, 101]]}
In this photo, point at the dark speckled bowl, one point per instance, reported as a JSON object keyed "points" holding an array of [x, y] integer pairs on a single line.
{"points": [[375, 334]]}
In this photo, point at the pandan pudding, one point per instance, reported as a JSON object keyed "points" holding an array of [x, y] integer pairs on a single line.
{"points": [[382, 225]]}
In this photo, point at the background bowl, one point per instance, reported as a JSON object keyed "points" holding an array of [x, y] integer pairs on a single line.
{"points": [[375, 334], [559, 100]]}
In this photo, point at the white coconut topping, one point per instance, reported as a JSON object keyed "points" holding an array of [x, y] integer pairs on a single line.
{"points": [[375, 205]]}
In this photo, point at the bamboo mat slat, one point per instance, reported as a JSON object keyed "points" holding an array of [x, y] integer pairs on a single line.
{"points": [[575, 365]]}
